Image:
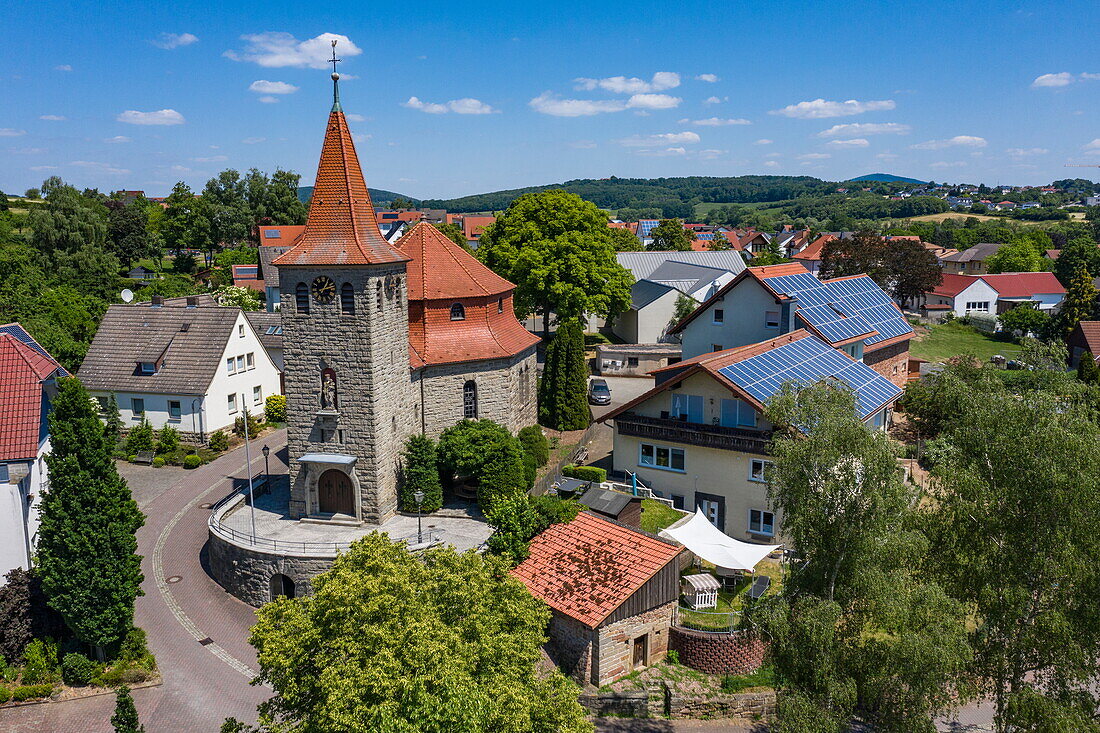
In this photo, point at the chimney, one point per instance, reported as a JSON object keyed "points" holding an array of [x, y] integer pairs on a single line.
{"points": [[158, 301], [192, 301]]}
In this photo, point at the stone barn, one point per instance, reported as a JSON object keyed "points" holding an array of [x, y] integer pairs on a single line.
{"points": [[612, 592]]}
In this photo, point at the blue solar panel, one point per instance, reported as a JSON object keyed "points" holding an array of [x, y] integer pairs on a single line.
{"points": [[704, 235], [859, 299], [806, 361], [272, 234], [16, 330], [645, 226]]}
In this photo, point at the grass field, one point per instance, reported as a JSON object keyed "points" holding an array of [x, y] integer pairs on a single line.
{"points": [[657, 515], [944, 340]]}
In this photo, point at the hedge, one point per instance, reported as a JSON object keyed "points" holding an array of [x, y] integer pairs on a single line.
{"points": [[585, 473], [29, 692], [77, 670]]}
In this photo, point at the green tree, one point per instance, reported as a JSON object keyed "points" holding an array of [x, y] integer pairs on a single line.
{"points": [[67, 221], [421, 473], [863, 253], [1079, 303], [684, 307], [112, 422], [87, 548], [400, 203], [32, 193], [624, 240], [125, 719], [1080, 251], [535, 444], [560, 253], [563, 391], [89, 270], [1006, 467], [913, 270], [1087, 371], [670, 234], [128, 236], [502, 473], [396, 643], [462, 447], [186, 224], [1020, 255], [232, 296], [1023, 320], [230, 217], [282, 205]]}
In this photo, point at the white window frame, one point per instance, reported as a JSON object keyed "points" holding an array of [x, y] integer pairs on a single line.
{"points": [[978, 306], [179, 411], [718, 316], [758, 470], [761, 524], [656, 452], [250, 360], [240, 363], [776, 322], [232, 400], [240, 330], [257, 395], [138, 414], [231, 365]]}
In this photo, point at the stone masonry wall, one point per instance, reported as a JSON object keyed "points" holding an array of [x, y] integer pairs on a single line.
{"points": [[505, 392], [569, 645], [891, 362], [247, 573], [745, 706], [616, 642], [718, 653]]}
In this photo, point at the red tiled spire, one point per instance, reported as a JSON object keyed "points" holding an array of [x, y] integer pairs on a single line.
{"points": [[341, 228]]}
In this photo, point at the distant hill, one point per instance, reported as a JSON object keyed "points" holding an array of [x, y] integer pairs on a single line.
{"points": [[377, 195], [669, 197], [886, 178]]}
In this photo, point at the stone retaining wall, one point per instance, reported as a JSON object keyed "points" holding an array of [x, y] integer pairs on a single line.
{"points": [[756, 706], [247, 573], [633, 704], [718, 653]]}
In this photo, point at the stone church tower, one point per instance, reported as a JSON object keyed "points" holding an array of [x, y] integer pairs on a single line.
{"points": [[345, 332]]}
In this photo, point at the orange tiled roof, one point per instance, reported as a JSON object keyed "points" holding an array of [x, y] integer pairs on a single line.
{"points": [[590, 566], [473, 226], [280, 235], [341, 228], [813, 250], [439, 268], [22, 370]]}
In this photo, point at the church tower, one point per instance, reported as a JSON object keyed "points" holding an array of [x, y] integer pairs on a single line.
{"points": [[345, 323]]}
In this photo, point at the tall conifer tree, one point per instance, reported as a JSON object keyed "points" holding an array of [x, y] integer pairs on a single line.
{"points": [[563, 400]]}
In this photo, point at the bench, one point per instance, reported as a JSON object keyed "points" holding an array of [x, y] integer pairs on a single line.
{"points": [[145, 456]]}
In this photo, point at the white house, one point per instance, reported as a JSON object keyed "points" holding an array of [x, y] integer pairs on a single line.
{"points": [[181, 363], [964, 294], [653, 298], [28, 377]]}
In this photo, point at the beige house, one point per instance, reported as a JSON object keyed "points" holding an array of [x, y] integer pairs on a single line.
{"points": [[699, 436]]}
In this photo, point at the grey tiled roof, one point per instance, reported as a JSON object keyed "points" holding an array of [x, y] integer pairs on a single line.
{"points": [[644, 292], [268, 254], [642, 264], [262, 321], [980, 251], [187, 342]]}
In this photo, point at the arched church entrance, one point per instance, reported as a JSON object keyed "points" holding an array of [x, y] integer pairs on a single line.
{"points": [[335, 495]]}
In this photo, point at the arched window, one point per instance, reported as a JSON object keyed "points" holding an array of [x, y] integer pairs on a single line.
{"points": [[378, 293], [458, 313], [301, 297], [347, 299], [469, 400], [281, 586]]}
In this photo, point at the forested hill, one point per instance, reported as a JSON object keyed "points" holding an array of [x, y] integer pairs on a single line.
{"points": [[377, 195], [657, 196]]}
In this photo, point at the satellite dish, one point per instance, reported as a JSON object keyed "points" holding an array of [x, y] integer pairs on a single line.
{"points": [[127, 295]]}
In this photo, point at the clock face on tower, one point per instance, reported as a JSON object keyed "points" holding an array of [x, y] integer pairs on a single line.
{"points": [[324, 289]]}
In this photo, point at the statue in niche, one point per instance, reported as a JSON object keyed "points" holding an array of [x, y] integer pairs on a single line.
{"points": [[328, 389]]}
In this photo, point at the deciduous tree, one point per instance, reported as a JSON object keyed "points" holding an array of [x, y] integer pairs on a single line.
{"points": [[421, 473], [67, 221], [1019, 255], [913, 269], [1079, 303], [670, 234]]}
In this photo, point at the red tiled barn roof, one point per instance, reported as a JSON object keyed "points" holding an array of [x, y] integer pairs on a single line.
{"points": [[22, 370], [953, 284], [588, 567], [1023, 284]]}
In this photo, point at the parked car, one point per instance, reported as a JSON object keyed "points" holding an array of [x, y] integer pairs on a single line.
{"points": [[598, 392]]}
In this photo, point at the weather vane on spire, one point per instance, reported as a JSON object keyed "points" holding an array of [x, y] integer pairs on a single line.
{"points": [[335, 79]]}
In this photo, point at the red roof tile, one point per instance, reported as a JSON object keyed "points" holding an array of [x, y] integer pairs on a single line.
{"points": [[473, 226], [1023, 284], [280, 236], [952, 284], [22, 370], [439, 268], [341, 228], [588, 567], [812, 251]]}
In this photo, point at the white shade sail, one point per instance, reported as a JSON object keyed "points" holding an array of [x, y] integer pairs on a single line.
{"points": [[710, 544]]}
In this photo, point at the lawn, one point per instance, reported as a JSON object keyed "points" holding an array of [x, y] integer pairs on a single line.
{"points": [[657, 515], [944, 340]]}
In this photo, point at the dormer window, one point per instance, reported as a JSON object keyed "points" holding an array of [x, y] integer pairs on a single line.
{"points": [[147, 367], [458, 313]]}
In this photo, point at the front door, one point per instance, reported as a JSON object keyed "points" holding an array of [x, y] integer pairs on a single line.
{"points": [[640, 645], [335, 494]]}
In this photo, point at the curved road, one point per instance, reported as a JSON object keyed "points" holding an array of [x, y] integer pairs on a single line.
{"points": [[197, 631]]}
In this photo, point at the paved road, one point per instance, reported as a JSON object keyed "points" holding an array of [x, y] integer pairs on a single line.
{"points": [[203, 683]]}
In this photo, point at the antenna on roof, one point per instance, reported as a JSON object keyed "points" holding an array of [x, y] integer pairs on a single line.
{"points": [[335, 80], [127, 295]]}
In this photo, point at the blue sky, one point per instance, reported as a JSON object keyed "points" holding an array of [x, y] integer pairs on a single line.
{"points": [[456, 98]]}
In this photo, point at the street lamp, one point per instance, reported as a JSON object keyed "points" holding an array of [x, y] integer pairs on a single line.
{"points": [[418, 497], [267, 470], [248, 465]]}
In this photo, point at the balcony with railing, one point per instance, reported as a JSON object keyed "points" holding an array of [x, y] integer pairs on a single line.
{"points": [[670, 430]]}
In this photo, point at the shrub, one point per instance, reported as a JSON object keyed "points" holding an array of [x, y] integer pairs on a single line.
{"points": [[5, 695], [585, 473], [254, 425], [673, 657], [24, 616], [219, 441], [40, 663], [77, 670], [463, 447], [30, 692], [535, 443], [140, 438], [563, 391], [133, 646], [275, 408], [192, 461], [421, 474], [530, 469], [132, 457], [168, 439], [502, 474], [158, 462]]}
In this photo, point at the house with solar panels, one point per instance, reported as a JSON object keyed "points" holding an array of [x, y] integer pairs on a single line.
{"points": [[699, 436], [851, 314]]}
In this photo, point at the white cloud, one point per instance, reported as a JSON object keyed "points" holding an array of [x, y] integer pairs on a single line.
{"points": [[11, 132], [666, 138], [774, 155], [263, 86], [712, 100], [945, 164], [268, 99], [549, 104], [52, 118], [887, 156], [763, 141], [858, 142], [464, 106], [63, 67], [117, 139], [1094, 145], [969, 141], [253, 140], [1061, 79], [582, 144], [653, 101], [1020, 152], [718, 122], [27, 151], [361, 137], [169, 41], [40, 168], [711, 78], [771, 163], [100, 167], [664, 153], [159, 117], [180, 169], [622, 85], [711, 154], [1089, 77], [866, 128], [355, 118], [814, 156], [274, 49], [211, 159], [818, 109]]}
